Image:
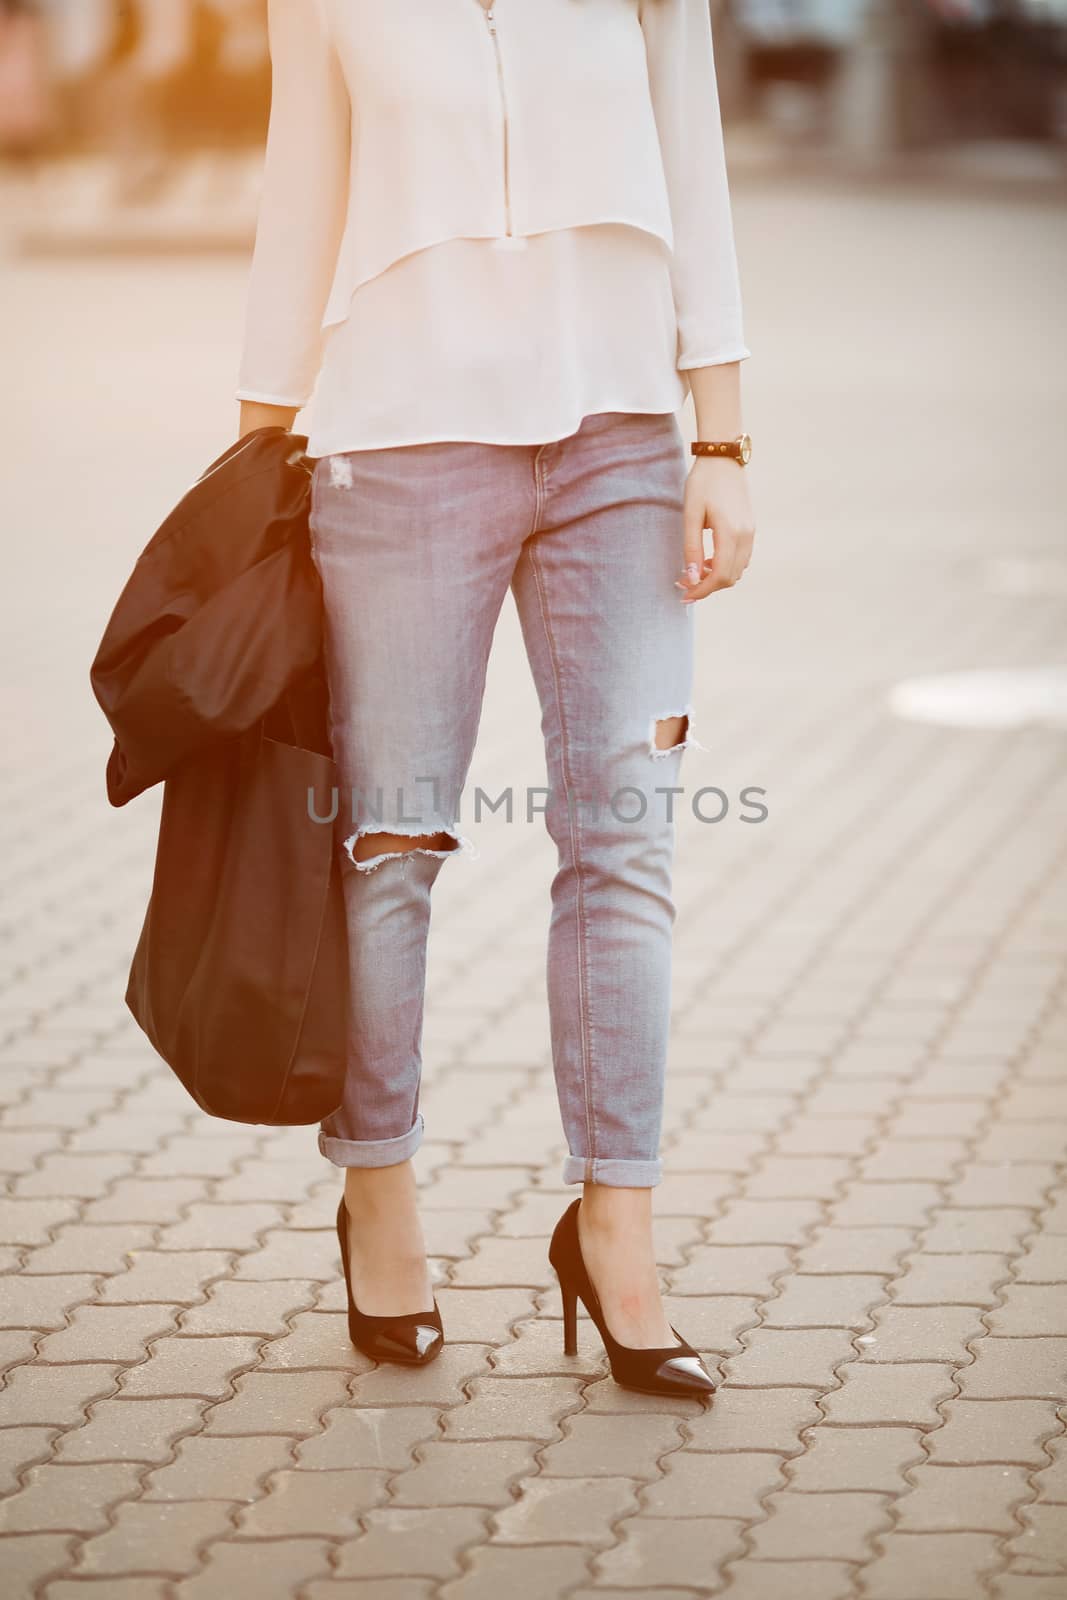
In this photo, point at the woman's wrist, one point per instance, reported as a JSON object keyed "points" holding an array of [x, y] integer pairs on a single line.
{"points": [[257, 414], [716, 395]]}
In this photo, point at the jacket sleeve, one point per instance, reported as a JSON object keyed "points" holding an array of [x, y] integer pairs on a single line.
{"points": [[685, 99], [302, 208]]}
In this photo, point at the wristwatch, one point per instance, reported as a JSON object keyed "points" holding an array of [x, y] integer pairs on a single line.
{"points": [[739, 449]]}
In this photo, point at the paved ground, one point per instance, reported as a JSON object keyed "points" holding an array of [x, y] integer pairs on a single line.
{"points": [[865, 1219]]}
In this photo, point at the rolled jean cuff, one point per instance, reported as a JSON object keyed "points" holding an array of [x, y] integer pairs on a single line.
{"points": [[372, 1152], [606, 1169]]}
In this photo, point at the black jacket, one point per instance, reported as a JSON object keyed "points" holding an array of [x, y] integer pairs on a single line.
{"points": [[210, 673]]}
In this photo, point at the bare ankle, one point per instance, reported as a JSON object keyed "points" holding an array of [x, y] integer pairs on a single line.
{"points": [[610, 1209], [379, 1188]]}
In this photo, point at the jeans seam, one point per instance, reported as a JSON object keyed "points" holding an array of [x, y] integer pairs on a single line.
{"points": [[576, 849], [539, 489]]}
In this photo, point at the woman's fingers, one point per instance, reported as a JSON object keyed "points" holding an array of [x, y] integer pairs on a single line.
{"points": [[718, 572], [733, 552], [721, 504], [693, 549], [742, 554]]}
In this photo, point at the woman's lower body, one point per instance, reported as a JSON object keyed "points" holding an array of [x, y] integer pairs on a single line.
{"points": [[417, 547]]}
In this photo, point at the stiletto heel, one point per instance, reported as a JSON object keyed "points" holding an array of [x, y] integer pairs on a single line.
{"points": [[672, 1369], [412, 1339], [570, 1318]]}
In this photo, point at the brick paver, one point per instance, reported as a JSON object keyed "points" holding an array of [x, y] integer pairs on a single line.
{"points": [[863, 1221]]}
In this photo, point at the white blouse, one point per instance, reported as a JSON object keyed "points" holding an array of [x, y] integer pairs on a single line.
{"points": [[486, 225]]}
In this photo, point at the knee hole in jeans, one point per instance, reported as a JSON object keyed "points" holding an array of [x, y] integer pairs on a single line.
{"points": [[370, 847], [671, 732]]}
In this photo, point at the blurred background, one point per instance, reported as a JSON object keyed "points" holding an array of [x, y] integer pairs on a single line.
{"points": [[115, 106]]}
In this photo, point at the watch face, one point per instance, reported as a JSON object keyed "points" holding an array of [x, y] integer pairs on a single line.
{"points": [[746, 448]]}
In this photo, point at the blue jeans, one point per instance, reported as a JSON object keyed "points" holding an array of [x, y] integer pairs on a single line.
{"points": [[416, 546]]}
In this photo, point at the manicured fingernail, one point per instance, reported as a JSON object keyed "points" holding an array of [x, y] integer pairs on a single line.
{"points": [[692, 572]]}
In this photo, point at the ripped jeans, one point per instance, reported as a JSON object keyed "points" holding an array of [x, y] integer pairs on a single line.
{"points": [[416, 546]]}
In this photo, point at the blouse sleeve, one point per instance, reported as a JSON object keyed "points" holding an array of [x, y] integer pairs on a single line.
{"points": [[301, 210], [685, 99]]}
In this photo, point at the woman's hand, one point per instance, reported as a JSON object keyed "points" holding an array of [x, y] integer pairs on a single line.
{"points": [[716, 497]]}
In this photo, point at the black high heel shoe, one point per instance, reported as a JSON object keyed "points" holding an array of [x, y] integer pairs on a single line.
{"points": [[414, 1338], [671, 1369]]}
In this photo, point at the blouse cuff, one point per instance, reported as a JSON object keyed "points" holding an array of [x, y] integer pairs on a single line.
{"points": [[735, 353], [271, 399]]}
